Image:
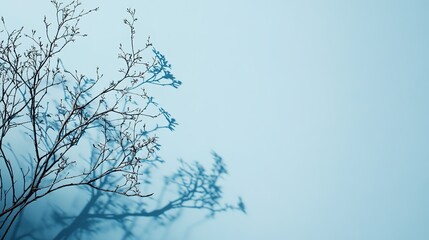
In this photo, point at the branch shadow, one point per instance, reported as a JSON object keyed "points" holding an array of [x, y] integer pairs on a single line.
{"points": [[191, 186]]}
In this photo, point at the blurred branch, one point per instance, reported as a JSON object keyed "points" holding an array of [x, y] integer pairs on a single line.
{"points": [[194, 187]]}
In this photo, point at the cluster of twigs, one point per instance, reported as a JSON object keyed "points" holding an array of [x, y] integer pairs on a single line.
{"points": [[61, 112]]}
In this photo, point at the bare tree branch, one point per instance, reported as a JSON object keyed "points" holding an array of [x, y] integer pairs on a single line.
{"points": [[59, 111]]}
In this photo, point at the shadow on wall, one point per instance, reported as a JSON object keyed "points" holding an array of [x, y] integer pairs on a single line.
{"points": [[93, 135], [191, 186]]}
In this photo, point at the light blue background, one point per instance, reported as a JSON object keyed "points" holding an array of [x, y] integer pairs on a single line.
{"points": [[318, 107]]}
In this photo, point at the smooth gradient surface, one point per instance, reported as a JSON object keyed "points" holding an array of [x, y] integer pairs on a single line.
{"points": [[319, 108]]}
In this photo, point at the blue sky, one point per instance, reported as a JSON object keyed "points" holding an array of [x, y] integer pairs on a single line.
{"points": [[319, 108]]}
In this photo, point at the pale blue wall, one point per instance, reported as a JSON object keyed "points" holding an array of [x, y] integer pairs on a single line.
{"points": [[318, 107]]}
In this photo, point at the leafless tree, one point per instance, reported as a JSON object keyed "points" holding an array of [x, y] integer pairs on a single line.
{"points": [[60, 128]]}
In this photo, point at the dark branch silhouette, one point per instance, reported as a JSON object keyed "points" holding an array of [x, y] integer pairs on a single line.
{"points": [[57, 111], [98, 134]]}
